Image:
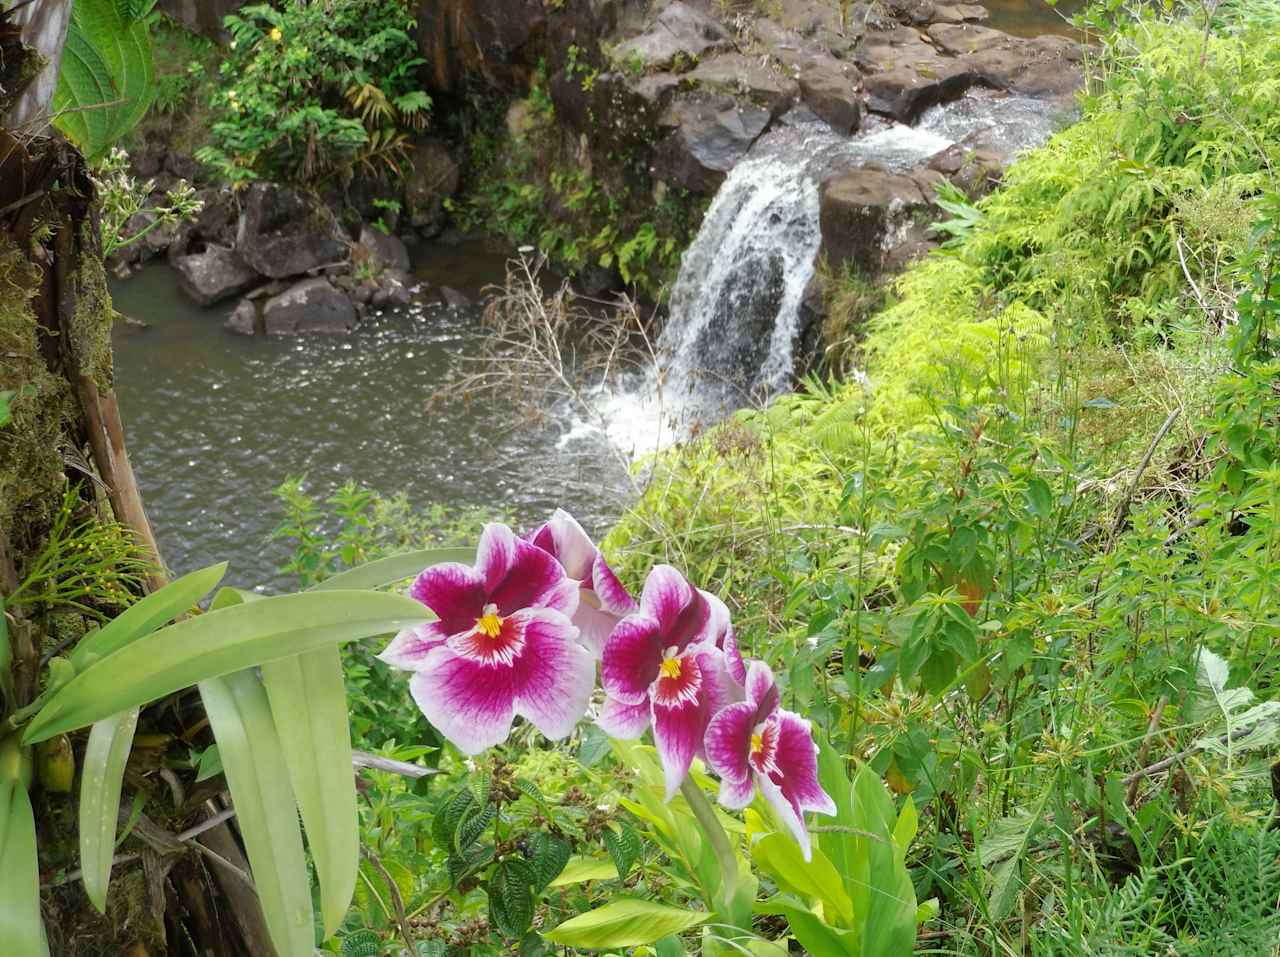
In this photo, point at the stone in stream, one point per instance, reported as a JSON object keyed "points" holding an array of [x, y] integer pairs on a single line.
{"points": [[432, 177], [1047, 67], [216, 274], [388, 250], [905, 75], [243, 319], [454, 299], [833, 95], [747, 76], [865, 214], [708, 136], [283, 232], [309, 306], [679, 31]]}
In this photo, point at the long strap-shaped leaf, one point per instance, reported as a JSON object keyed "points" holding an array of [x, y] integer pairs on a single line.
{"points": [[308, 698], [386, 571], [216, 644], [21, 929], [105, 757], [254, 763]]}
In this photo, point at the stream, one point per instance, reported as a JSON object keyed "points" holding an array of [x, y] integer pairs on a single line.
{"points": [[215, 421]]}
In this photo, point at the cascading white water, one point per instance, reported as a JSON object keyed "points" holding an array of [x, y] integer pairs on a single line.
{"points": [[736, 308]]}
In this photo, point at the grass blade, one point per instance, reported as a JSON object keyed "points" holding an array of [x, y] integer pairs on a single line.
{"points": [[105, 757], [254, 763], [219, 643], [308, 698], [386, 571], [20, 925]]}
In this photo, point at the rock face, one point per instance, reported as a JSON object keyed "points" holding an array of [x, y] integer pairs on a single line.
{"points": [[216, 274], [202, 16], [432, 177], [390, 251], [734, 73], [243, 321], [310, 306], [678, 31], [865, 214], [284, 233], [707, 138], [833, 94]]}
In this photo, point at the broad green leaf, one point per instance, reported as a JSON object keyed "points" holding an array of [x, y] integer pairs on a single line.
{"points": [[105, 84], [105, 757], [582, 869], [308, 698], [219, 643], [817, 937], [21, 928], [255, 765], [625, 922], [388, 571], [815, 879], [1003, 846], [155, 610], [549, 855]]}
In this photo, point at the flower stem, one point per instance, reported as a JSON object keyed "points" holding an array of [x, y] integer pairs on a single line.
{"points": [[710, 824]]}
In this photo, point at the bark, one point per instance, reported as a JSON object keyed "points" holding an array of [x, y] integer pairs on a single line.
{"points": [[43, 28]]}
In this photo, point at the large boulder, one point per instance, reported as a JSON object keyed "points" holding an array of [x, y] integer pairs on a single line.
{"points": [[284, 232], [432, 177], [211, 276], [243, 320], [1045, 67], [309, 306], [707, 138], [833, 95], [678, 32], [741, 75], [864, 215], [388, 251], [904, 75]]}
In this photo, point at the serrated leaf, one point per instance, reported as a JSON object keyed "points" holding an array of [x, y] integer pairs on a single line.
{"points": [[448, 816], [626, 922], [624, 847], [308, 697], [1006, 841], [481, 787], [266, 812], [21, 928], [530, 790], [219, 643], [460, 865], [510, 903], [101, 779], [388, 571], [473, 824], [363, 943], [548, 855]]}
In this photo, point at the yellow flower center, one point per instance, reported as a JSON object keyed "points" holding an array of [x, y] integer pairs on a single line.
{"points": [[490, 624], [276, 34], [757, 743], [670, 668]]}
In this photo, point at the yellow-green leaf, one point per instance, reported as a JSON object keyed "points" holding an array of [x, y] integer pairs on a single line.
{"points": [[582, 869], [21, 929], [105, 757], [386, 571], [625, 922]]}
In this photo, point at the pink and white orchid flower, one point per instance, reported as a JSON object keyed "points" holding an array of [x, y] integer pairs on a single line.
{"points": [[661, 664], [756, 743], [604, 600], [503, 645]]}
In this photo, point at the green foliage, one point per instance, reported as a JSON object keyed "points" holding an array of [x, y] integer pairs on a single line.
{"points": [[105, 83], [120, 197], [309, 90]]}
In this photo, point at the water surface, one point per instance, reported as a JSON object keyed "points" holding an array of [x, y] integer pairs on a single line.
{"points": [[215, 421]]}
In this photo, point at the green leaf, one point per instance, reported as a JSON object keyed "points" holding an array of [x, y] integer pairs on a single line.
{"points": [[448, 816], [1003, 846], [582, 869], [209, 764], [625, 922], [388, 571], [266, 813], [105, 757], [815, 936], [146, 616], [779, 855], [363, 943], [510, 903], [21, 928], [219, 643], [624, 847], [549, 856], [106, 81], [308, 697]]}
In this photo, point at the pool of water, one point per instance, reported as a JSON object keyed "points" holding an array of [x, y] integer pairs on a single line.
{"points": [[215, 421], [1031, 18]]}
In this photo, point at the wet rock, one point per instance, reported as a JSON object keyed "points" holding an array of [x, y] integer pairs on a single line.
{"points": [[1045, 67], [864, 215], [707, 138], [243, 320], [746, 76], [392, 291], [960, 13], [791, 49], [912, 12], [283, 232], [385, 249], [975, 170], [834, 96], [454, 299], [678, 31], [821, 22], [433, 177], [906, 92], [310, 306], [211, 276]]}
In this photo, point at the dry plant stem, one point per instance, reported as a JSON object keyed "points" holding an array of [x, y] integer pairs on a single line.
{"points": [[1132, 794], [397, 901]]}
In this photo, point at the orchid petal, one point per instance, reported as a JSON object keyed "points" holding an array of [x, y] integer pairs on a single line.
{"points": [[495, 554], [678, 729], [456, 593], [409, 648], [534, 580], [632, 656], [728, 745], [787, 813], [719, 690], [469, 702], [625, 721], [613, 596], [573, 547], [553, 675], [718, 622], [595, 624], [759, 684], [665, 596], [733, 656], [797, 763]]}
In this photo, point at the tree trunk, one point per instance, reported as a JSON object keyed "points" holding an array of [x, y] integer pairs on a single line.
{"points": [[64, 449]]}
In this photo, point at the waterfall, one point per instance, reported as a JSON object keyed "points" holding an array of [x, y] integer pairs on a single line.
{"points": [[736, 310]]}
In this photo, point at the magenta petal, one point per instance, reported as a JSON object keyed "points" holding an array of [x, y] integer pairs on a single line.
{"points": [[718, 625], [553, 675], [733, 656], [631, 659], [797, 763], [728, 744], [535, 580], [595, 624], [791, 818], [454, 592], [719, 690], [470, 703], [624, 721], [759, 682], [613, 596], [678, 729], [495, 554], [665, 596], [573, 547], [409, 648]]}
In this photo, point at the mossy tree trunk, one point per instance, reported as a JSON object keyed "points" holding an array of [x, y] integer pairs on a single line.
{"points": [[64, 450]]}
